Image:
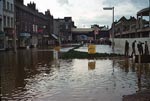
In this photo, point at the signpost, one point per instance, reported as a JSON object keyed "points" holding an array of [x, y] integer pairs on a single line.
{"points": [[113, 26]]}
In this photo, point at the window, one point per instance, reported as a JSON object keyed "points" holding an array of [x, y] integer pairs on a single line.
{"points": [[8, 21], [7, 5], [12, 7], [4, 21], [0, 26], [4, 4], [11, 22]]}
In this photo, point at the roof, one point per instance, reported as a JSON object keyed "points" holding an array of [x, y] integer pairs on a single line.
{"points": [[34, 12], [83, 30], [144, 11], [104, 29]]}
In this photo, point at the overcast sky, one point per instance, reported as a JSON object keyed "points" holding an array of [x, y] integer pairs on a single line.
{"points": [[88, 12]]}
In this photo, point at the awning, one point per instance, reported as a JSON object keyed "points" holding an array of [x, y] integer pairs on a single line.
{"points": [[54, 36], [25, 34], [83, 37]]}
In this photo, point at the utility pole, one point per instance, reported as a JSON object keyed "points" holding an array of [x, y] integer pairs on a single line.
{"points": [[113, 25]]}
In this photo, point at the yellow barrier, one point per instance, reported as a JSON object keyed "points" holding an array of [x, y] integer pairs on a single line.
{"points": [[91, 49]]}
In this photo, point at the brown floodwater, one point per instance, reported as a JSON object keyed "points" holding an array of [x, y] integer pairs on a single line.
{"points": [[32, 75]]}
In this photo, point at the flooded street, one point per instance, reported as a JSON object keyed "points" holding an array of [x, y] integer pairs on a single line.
{"points": [[32, 75]]}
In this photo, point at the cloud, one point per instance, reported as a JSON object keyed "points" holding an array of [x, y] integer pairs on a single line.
{"points": [[87, 12], [125, 8], [63, 2]]}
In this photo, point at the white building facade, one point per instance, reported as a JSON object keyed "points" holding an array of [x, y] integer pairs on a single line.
{"points": [[8, 13], [8, 22]]}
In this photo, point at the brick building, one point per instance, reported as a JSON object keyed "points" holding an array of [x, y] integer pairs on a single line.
{"points": [[124, 25], [32, 27], [133, 27]]}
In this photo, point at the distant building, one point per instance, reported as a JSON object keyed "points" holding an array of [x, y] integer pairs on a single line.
{"points": [[100, 31], [62, 28], [80, 34], [125, 27], [143, 26], [93, 33], [133, 27], [32, 27]]}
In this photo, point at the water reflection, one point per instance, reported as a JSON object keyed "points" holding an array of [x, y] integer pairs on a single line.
{"points": [[91, 64], [15, 68], [34, 75], [141, 71]]}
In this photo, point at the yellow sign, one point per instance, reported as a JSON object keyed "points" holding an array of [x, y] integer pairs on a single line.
{"points": [[91, 49], [57, 48]]}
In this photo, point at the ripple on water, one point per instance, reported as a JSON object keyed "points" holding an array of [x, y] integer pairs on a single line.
{"points": [[69, 80]]}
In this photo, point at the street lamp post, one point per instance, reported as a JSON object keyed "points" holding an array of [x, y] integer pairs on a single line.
{"points": [[111, 8]]}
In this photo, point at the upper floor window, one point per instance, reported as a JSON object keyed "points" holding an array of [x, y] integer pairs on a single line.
{"points": [[11, 7], [12, 22], [4, 21], [7, 5], [8, 21], [4, 4]]}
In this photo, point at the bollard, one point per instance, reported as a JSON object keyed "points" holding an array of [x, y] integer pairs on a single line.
{"points": [[55, 54]]}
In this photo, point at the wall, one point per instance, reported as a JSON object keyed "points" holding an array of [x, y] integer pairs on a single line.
{"points": [[120, 44]]}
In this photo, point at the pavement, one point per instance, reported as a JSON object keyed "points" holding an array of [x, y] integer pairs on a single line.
{"points": [[139, 96]]}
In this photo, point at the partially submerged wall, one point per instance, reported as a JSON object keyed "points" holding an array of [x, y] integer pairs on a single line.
{"points": [[120, 44]]}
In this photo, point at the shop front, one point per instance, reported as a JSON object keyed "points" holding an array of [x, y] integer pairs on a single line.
{"points": [[24, 40]]}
